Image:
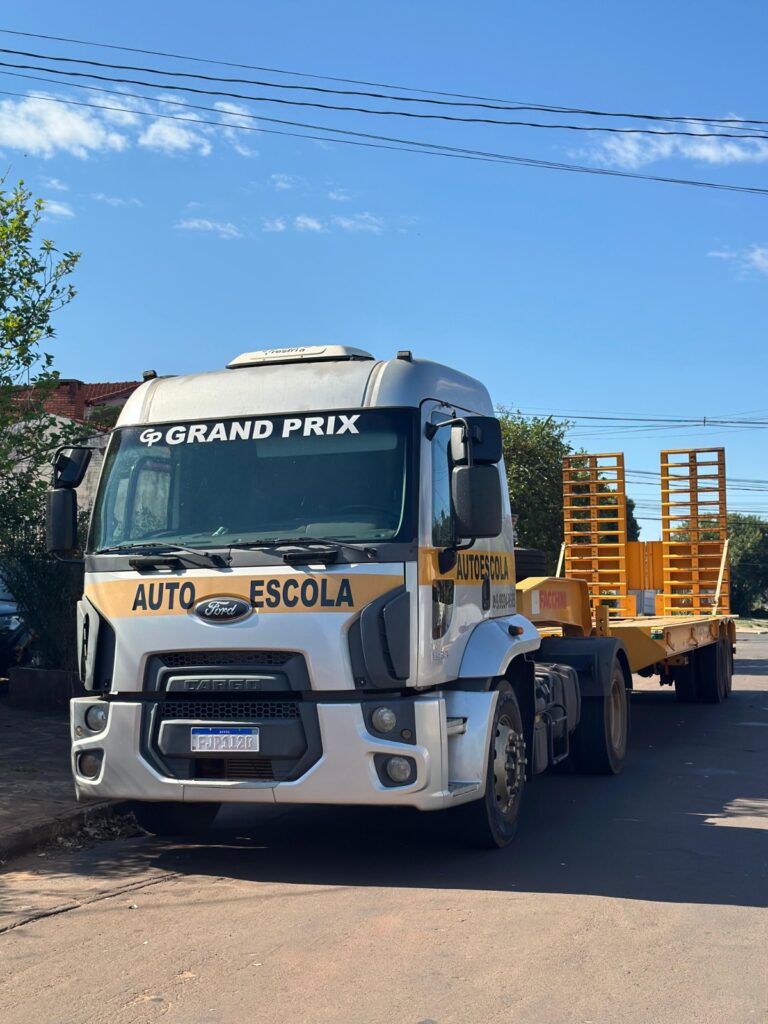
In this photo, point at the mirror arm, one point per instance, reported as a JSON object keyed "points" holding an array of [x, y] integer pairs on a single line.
{"points": [[68, 561], [432, 428], [446, 559]]}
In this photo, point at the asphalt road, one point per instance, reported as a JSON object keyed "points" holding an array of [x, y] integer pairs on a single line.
{"points": [[639, 899]]}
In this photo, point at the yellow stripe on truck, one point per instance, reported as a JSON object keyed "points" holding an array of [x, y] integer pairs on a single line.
{"points": [[471, 567], [296, 592]]}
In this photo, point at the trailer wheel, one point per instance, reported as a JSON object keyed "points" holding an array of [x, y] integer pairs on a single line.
{"points": [[174, 819], [714, 671], [686, 681], [599, 744], [491, 821]]}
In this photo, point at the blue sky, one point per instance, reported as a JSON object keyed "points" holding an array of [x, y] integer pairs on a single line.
{"points": [[563, 292]]}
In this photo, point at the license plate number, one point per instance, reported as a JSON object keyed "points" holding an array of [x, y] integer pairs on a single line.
{"points": [[230, 741]]}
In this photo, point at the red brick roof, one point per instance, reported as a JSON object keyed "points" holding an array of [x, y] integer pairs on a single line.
{"points": [[72, 398]]}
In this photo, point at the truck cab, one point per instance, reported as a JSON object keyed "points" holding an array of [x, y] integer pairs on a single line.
{"points": [[300, 588]]}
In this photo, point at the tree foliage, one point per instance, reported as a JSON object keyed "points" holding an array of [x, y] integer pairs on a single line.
{"points": [[633, 527], [748, 553], [33, 287], [534, 449]]}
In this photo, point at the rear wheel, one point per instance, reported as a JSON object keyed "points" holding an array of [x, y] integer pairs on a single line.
{"points": [[686, 683], [491, 821], [599, 744], [715, 674], [175, 819]]}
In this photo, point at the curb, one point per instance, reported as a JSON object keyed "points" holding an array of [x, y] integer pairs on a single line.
{"points": [[31, 838]]}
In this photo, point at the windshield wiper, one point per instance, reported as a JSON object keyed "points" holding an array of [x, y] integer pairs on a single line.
{"points": [[150, 554], [332, 545]]}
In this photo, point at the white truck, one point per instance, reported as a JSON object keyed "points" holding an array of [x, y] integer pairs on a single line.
{"points": [[300, 588]]}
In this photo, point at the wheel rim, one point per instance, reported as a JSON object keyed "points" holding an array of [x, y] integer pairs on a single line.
{"points": [[508, 764], [616, 719]]}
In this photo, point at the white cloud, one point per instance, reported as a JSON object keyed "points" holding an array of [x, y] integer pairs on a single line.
{"points": [[53, 208], [41, 128], [282, 182], [339, 195], [55, 185], [635, 151], [223, 230], [277, 224], [756, 258], [751, 260], [360, 222], [235, 114], [304, 223], [100, 197], [172, 137]]}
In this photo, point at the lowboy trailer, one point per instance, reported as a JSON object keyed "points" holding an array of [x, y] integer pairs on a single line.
{"points": [[300, 588]]}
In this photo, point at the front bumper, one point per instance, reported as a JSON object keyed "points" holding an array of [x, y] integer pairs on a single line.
{"points": [[345, 772]]}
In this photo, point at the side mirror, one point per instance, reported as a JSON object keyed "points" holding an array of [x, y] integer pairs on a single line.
{"points": [[483, 435], [61, 521], [476, 496], [70, 465]]}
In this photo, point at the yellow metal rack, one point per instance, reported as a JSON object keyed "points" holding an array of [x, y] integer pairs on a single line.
{"points": [[695, 575], [595, 529]]}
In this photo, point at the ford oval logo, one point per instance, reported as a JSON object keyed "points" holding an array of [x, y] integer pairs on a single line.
{"points": [[223, 609]]}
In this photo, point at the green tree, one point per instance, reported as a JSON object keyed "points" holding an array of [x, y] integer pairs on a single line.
{"points": [[748, 551], [633, 527], [33, 287], [534, 449]]}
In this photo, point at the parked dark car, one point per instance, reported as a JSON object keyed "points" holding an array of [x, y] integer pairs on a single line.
{"points": [[14, 634]]}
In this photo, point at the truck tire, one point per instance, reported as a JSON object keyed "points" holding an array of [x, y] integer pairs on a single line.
{"points": [[725, 638], [686, 681], [174, 819], [714, 671], [491, 821], [599, 744], [530, 562]]}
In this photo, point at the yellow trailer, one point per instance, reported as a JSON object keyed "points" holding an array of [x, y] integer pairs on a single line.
{"points": [[689, 642]]}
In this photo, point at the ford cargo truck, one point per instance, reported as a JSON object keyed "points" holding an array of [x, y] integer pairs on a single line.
{"points": [[300, 587]]}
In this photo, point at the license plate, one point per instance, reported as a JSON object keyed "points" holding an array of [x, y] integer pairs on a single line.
{"points": [[230, 741]]}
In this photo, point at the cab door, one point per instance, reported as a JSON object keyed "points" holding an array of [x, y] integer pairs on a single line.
{"points": [[452, 601]]}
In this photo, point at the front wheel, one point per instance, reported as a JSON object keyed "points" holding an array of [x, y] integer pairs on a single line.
{"points": [[491, 821], [168, 818]]}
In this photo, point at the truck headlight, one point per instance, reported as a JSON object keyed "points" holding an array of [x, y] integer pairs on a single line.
{"points": [[89, 763], [399, 769], [384, 719], [96, 717]]}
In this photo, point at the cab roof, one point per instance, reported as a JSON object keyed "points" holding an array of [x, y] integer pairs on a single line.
{"points": [[279, 384]]}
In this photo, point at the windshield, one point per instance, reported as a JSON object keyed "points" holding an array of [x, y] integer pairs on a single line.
{"points": [[341, 475]]}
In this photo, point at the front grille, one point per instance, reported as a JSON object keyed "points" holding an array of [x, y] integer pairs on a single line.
{"points": [[224, 659], [228, 710], [234, 768]]}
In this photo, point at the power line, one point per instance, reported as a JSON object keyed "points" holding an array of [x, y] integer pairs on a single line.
{"points": [[404, 145], [327, 106], [314, 105], [514, 104]]}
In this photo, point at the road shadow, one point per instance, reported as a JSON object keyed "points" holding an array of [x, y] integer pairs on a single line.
{"points": [[685, 822]]}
